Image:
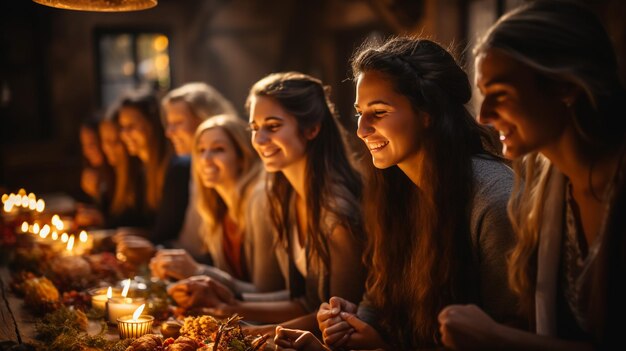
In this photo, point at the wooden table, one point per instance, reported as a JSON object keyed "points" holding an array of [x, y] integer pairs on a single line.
{"points": [[18, 325]]}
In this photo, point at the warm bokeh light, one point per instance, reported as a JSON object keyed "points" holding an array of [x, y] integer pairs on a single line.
{"points": [[82, 236], [45, 230], [70, 243], [41, 205], [160, 43]]}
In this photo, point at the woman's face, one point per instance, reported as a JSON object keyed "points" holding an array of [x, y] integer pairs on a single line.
{"points": [[112, 145], [91, 147], [217, 158], [527, 110], [388, 124], [135, 132], [275, 134], [181, 126]]}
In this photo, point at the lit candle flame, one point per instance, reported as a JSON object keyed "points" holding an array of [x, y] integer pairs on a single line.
{"points": [[64, 237], [32, 204], [44, 231], [25, 201], [83, 236], [36, 228], [5, 197], [41, 205], [70, 243], [137, 312], [55, 235], [59, 225], [126, 284], [55, 218], [22, 191], [24, 227], [8, 206], [109, 293]]}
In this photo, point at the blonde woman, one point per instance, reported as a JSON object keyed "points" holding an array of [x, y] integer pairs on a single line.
{"points": [[231, 202], [184, 108]]}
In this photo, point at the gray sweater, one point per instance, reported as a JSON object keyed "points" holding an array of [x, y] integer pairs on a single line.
{"points": [[492, 238]]}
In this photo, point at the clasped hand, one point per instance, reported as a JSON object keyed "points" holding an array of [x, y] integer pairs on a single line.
{"points": [[173, 263], [204, 293], [341, 327]]}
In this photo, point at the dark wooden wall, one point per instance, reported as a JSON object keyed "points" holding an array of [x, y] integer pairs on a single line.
{"points": [[48, 73]]}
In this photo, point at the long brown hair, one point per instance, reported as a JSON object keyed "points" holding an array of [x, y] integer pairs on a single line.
{"points": [[332, 185], [127, 179], [159, 154], [420, 253]]}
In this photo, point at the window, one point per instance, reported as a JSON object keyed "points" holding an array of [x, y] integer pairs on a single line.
{"points": [[128, 60]]}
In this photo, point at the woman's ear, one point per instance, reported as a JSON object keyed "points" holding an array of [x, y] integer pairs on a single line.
{"points": [[312, 132]]}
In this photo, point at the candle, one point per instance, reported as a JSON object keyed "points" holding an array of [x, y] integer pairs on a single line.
{"points": [[122, 306], [41, 205], [100, 296], [135, 325]]}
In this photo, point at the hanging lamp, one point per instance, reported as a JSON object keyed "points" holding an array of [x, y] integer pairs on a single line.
{"points": [[100, 5]]}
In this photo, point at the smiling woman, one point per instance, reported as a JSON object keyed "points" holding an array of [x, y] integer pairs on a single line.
{"points": [[313, 194], [435, 202]]}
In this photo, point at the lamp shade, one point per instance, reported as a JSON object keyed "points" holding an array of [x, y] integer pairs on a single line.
{"points": [[100, 5]]}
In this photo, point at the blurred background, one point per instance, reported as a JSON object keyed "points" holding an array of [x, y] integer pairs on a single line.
{"points": [[58, 67]]}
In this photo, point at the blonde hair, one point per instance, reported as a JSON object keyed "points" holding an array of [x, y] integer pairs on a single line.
{"points": [[211, 206], [525, 211], [203, 100]]}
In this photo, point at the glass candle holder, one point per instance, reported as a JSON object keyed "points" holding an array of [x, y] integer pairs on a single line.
{"points": [[134, 328], [122, 306], [99, 297]]}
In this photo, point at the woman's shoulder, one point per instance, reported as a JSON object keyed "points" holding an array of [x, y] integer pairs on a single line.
{"points": [[493, 184]]}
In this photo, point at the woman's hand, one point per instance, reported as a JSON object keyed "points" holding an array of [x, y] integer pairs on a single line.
{"points": [[466, 327], [202, 291], [293, 339], [335, 330], [133, 249], [364, 336], [176, 263]]}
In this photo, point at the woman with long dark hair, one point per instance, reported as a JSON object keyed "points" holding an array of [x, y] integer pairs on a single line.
{"points": [[314, 196], [435, 203], [549, 78]]}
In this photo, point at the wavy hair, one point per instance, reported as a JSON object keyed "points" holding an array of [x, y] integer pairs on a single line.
{"points": [[420, 254], [127, 179], [332, 184], [148, 106]]}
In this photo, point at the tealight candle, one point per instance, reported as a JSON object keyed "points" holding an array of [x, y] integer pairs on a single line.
{"points": [[122, 306], [100, 296], [135, 325]]}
